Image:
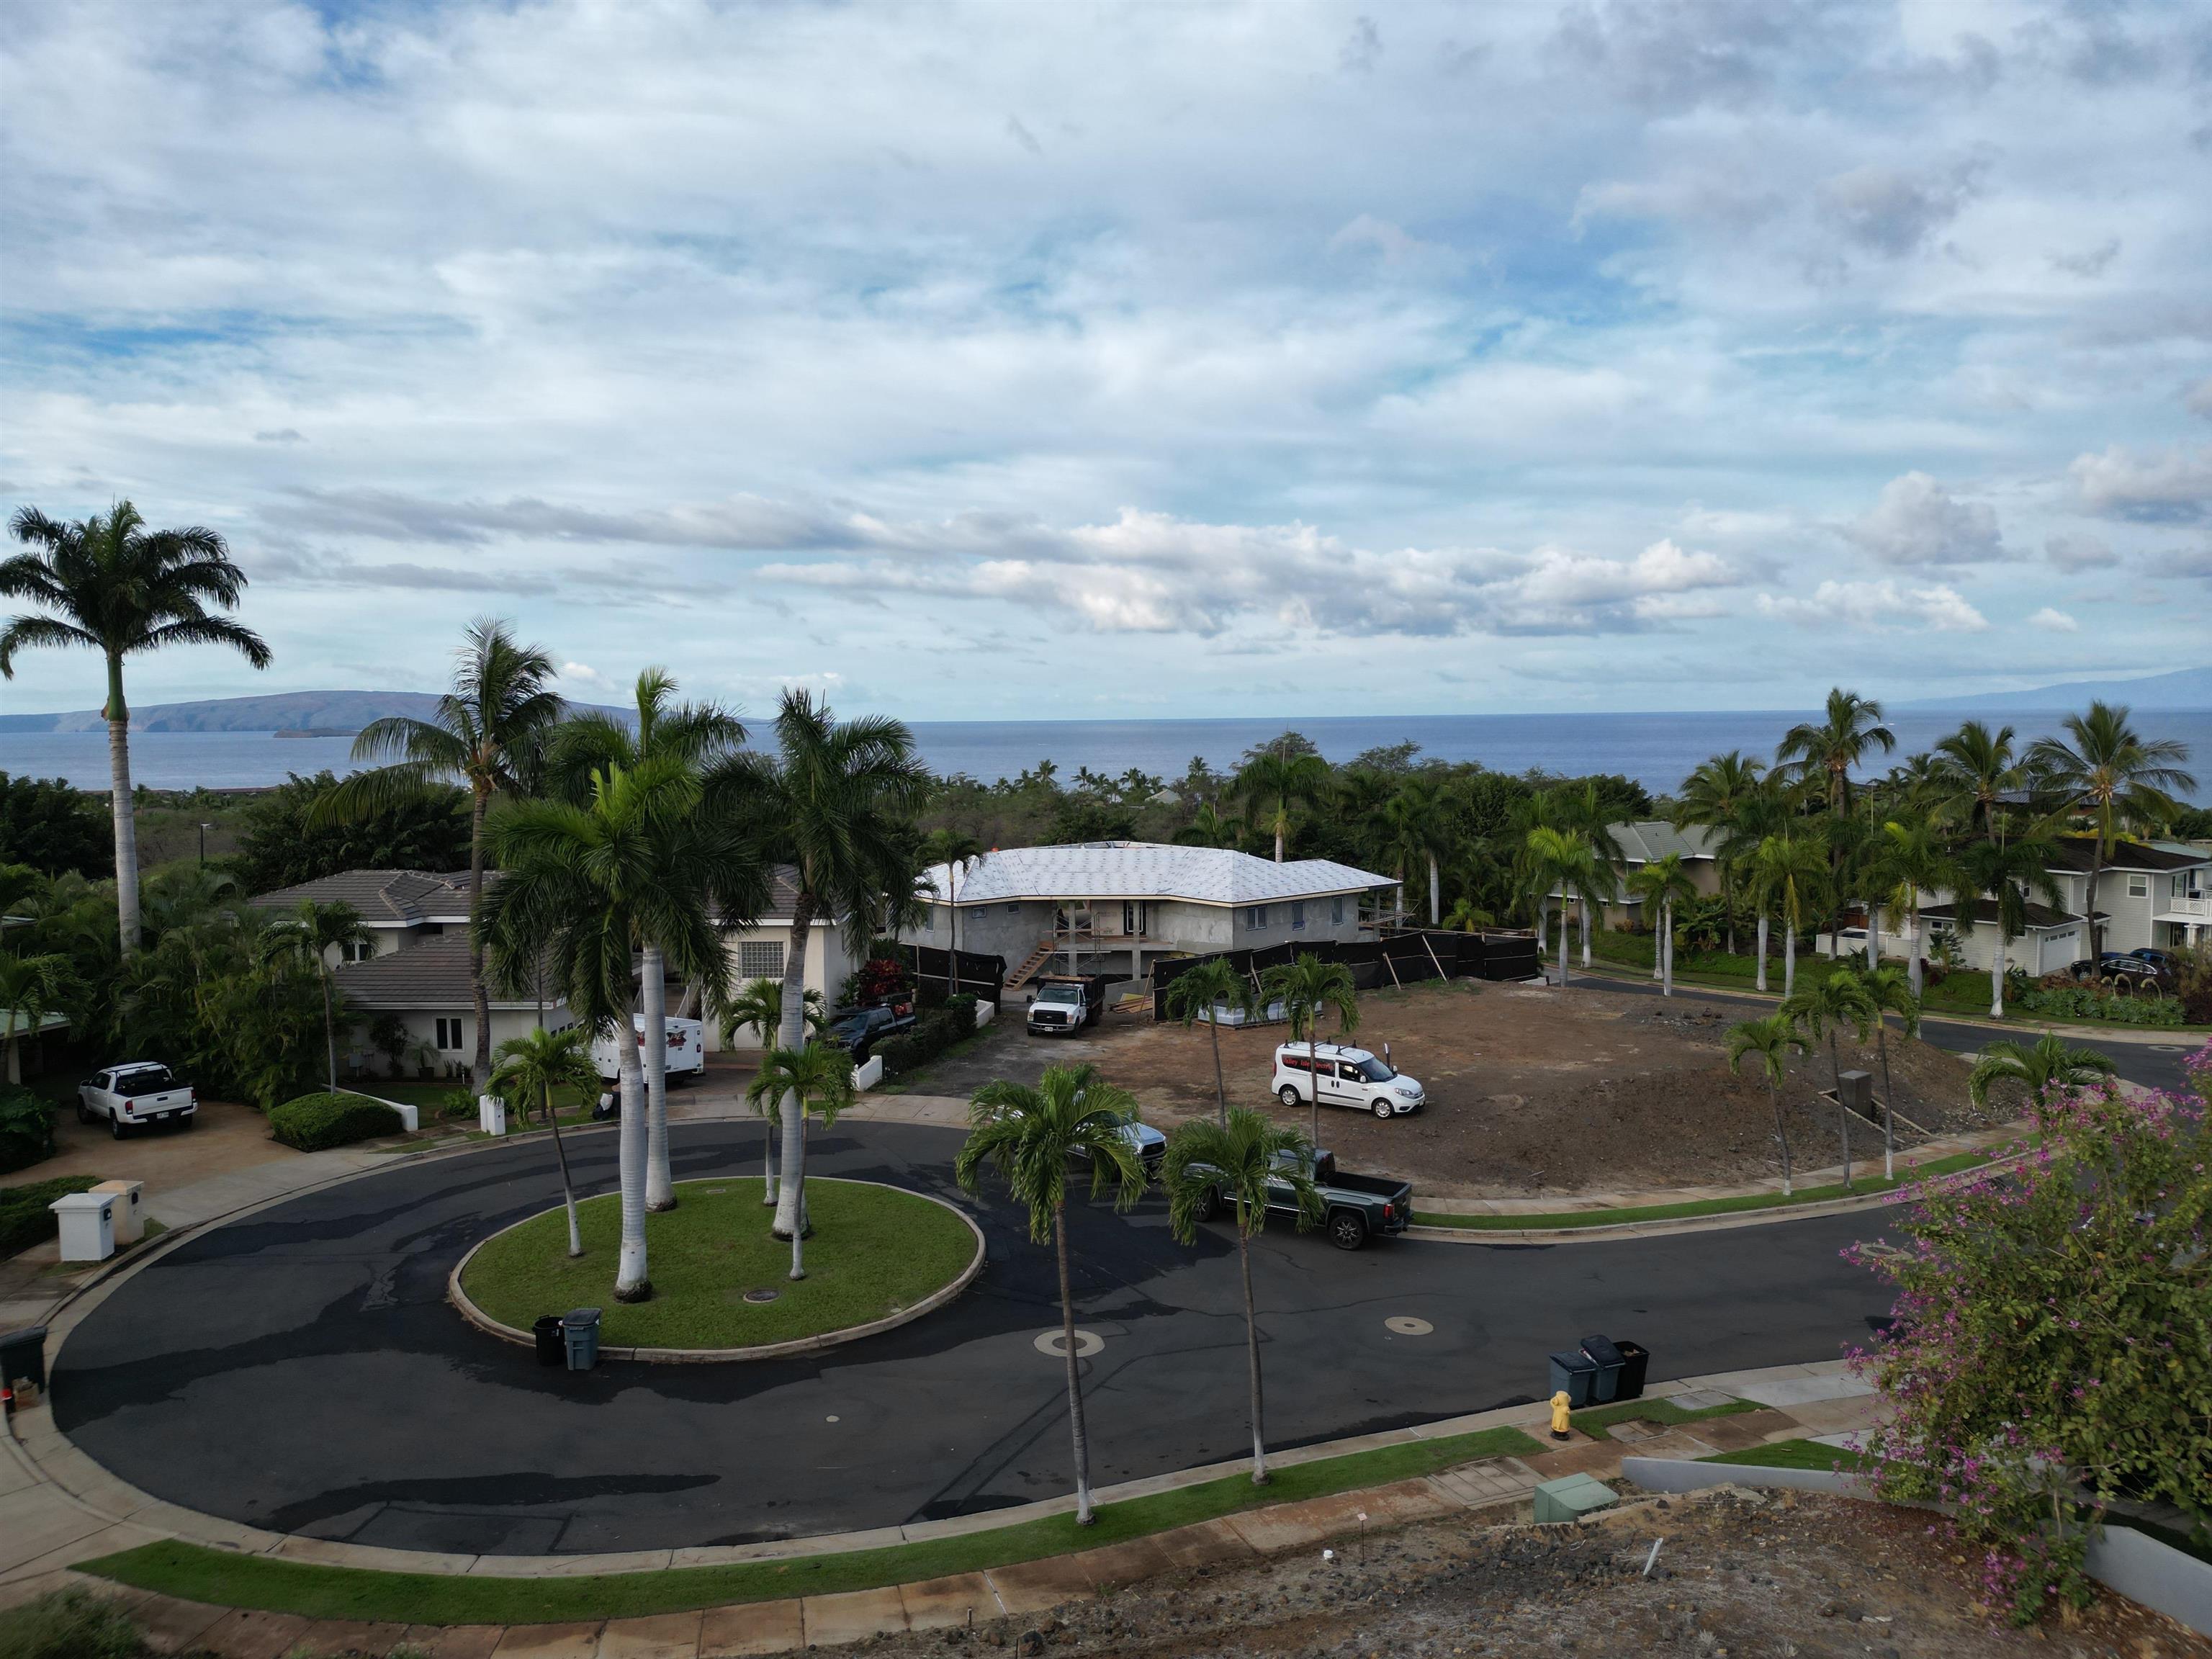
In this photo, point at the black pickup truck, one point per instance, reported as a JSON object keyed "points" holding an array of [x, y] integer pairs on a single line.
{"points": [[859, 1030], [1356, 1207]]}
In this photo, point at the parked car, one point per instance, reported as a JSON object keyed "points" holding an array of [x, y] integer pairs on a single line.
{"points": [[2164, 961], [126, 1096], [1348, 1077], [687, 1049], [1149, 1144], [1355, 1207], [859, 1029], [1065, 1003], [2124, 971]]}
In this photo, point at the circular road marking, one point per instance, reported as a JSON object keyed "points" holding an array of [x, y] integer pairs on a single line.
{"points": [[1407, 1325], [1054, 1344]]}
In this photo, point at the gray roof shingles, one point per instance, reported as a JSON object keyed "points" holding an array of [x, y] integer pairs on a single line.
{"points": [[1148, 870]]}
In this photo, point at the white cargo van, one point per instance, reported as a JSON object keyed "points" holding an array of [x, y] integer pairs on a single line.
{"points": [[1348, 1077], [687, 1049]]}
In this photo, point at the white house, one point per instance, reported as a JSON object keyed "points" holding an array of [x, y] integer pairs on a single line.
{"points": [[398, 908], [1112, 906]]}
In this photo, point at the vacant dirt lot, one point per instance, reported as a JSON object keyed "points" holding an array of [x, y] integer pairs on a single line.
{"points": [[1531, 1090], [1819, 1578]]}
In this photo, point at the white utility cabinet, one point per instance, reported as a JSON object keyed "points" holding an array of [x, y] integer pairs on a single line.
{"points": [[88, 1225]]}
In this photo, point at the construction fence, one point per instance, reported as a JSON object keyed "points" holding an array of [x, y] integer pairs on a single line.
{"points": [[951, 973], [1405, 958]]}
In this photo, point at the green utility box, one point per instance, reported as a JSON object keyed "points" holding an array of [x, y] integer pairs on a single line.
{"points": [[1572, 1497]]}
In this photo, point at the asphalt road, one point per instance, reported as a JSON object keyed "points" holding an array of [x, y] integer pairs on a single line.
{"points": [[300, 1369]]}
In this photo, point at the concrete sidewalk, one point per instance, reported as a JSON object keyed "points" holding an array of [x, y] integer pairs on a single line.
{"points": [[47, 1527]]}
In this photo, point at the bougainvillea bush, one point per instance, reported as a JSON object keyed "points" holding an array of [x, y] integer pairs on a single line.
{"points": [[2052, 1347]]}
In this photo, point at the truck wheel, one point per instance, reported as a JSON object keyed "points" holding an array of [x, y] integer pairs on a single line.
{"points": [[115, 1126], [1289, 1095], [1380, 1106], [1347, 1229], [82, 1115], [1208, 1205], [192, 1119]]}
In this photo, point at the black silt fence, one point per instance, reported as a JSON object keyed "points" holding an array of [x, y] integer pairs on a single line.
{"points": [[956, 972], [1410, 958]]}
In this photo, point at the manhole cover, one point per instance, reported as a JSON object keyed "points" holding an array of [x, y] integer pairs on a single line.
{"points": [[1407, 1325], [762, 1295], [1054, 1343]]}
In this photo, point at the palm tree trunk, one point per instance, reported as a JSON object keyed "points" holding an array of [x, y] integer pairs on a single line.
{"points": [[1762, 949], [631, 1284], [1435, 893], [659, 1186], [1585, 907], [1313, 1081], [768, 1159], [1220, 1090], [1788, 958], [795, 1180], [1888, 1111], [1874, 937], [567, 1191], [480, 998], [1842, 1112], [1667, 949], [1781, 1133], [2089, 897], [1083, 1516], [1916, 970], [1563, 939], [1251, 1355], [126, 812], [1279, 822], [791, 1034], [1997, 973], [330, 1027]]}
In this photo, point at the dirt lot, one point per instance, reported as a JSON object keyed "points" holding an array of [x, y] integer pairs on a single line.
{"points": [[1818, 1577], [1531, 1090]]}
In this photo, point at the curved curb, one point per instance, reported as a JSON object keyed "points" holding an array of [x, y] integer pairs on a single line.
{"points": [[936, 1300]]}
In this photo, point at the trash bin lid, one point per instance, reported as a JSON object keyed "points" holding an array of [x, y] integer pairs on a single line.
{"points": [[580, 1318], [23, 1337], [1601, 1351], [547, 1323], [1576, 1361]]}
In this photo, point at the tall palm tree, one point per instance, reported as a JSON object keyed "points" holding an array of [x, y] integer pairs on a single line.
{"points": [[1241, 1160], [2049, 1063], [1976, 768], [313, 932], [1716, 797], [1788, 875], [585, 886], [706, 853], [30, 987], [1309, 987], [1771, 809], [1826, 750], [1209, 828], [2114, 776], [758, 1003], [1838, 997], [1028, 1135], [819, 1079], [488, 735], [113, 586], [1585, 812], [529, 1068], [1271, 780], [952, 848], [1892, 991], [1663, 884], [1559, 859], [834, 805], [1773, 1040], [1201, 993], [1912, 859], [2008, 872], [1417, 822]]}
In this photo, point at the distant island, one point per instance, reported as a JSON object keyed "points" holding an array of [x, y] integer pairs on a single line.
{"points": [[2187, 688], [321, 731], [286, 714]]}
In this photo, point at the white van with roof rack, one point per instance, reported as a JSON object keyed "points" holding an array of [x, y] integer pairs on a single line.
{"points": [[1347, 1077]]}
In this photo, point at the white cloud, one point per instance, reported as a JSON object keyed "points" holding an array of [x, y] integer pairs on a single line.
{"points": [[2077, 553], [2054, 621], [1917, 522], [2169, 484], [1879, 604], [2197, 401], [1887, 212]]}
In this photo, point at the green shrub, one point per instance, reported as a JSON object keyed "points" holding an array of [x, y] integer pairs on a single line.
{"points": [[70, 1623], [24, 1218], [2094, 1002], [929, 1037], [314, 1122], [26, 1128]]}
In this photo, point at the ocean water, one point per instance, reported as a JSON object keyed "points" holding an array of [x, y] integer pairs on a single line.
{"points": [[1655, 750]]}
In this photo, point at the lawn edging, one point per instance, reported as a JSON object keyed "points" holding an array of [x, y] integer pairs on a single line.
{"points": [[936, 1300], [196, 1572]]}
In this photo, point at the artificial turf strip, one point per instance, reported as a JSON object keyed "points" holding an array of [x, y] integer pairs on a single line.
{"points": [[1796, 1455], [1596, 1421], [225, 1578], [1566, 1218], [874, 1251]]}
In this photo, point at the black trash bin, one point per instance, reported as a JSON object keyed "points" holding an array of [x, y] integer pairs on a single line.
{"points": [[1573, 1373], [23, 1357], [1605, 1387], [1635, 1359], [552, 1346], [581, 1326]]}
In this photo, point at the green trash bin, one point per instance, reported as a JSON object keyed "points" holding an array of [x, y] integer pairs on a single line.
{"points": [[581, 1326], [1573, 1372], [1605, 1387]]}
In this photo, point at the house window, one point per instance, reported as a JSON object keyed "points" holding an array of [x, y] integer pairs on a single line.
{"points": [[760, 958], [1256, 915], [1336, 911], [449, 1035], [1015, 908], [928, 918], [1298, 915], [357, 949], [2138, 886], [2187, 883]]}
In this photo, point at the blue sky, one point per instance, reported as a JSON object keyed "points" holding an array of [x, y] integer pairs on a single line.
{"points": [[1063, 362]]}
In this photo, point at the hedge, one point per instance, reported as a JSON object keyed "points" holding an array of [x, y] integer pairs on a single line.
{"points": [[24, 1218], [932, 1034], [26, 1128], [314, 1122]]}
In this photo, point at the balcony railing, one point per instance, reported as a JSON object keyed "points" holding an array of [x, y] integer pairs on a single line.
{"points": [[2190, 904]]}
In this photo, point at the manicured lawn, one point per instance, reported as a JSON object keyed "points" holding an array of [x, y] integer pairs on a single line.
{"points": [[1796, 1455], [1596, 1421], [874, 1251], [1861, 1186], [223, 1578]]}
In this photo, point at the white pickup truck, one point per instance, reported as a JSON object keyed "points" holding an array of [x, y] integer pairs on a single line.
{"points": [[128, 1096]]}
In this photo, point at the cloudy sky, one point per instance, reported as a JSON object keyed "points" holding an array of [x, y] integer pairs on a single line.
{"points": [[1070, 361]]}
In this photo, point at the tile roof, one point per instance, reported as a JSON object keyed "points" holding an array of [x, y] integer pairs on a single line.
{"points": [[1147, 870], [1648, 840], [2075, 852], [385, 898], [2040, 916], [433, 975]]}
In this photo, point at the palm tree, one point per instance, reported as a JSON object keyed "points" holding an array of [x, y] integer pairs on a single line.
{"points": [[2048, 1064], [1891, 992], [1827, 748], [1788, 874], [1559, 859], [1838, 997], [1772, 1039], [833, 806], [1716, 797], [1308, 987], [1466, 916], [1209, 828], [530, 1067], [1912, 859], [1662, 884], [759, 1003], [951, 848], [488, 733], [584, 885], [113, 585], [706, 853], [2116, 777], [30, 987], [1768, 809], [313, 932], [1417, 822], [1201, 993], [1271, 779], [1585, 811], [1240, 1159], [1975, 769], [2008, 871], [819, 1079], [1029, 1135]]}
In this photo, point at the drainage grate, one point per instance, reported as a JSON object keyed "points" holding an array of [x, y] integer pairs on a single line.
{"points": [[762, 1295]]}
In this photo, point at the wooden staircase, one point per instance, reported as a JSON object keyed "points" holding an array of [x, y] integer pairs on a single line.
{"points": [[1035, 959]]}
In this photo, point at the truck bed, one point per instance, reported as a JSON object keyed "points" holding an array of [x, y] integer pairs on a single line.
{"points": [[1373, 1186]]}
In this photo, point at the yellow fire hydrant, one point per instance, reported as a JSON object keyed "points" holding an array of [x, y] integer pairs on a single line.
{"points": [[1561, 1408]]}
